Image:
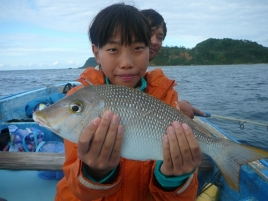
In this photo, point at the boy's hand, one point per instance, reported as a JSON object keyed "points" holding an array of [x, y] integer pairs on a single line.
{"points": [[189, 110], [99, 145], [181, 151]]}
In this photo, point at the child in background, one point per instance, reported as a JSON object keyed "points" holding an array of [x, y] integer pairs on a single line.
{"points": [[94, 170], [158, 34]]}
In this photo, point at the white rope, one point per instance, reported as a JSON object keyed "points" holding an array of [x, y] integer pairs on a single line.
{"points": [[239, 120]]}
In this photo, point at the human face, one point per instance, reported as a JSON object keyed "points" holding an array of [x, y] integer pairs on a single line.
{"points": [[157, 37], [123, 64]]}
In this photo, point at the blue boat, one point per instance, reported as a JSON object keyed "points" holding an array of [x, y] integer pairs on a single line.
{"points": [[19, 170]]}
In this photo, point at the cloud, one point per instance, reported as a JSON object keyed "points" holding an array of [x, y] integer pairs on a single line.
{"points": [[70, 62], [45, 31]]}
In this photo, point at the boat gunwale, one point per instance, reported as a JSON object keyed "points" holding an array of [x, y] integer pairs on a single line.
{"points": [[22, 93]]}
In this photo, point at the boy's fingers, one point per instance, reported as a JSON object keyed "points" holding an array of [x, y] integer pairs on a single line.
{"points": [[166, 151], [86, 137], [193, 144], [198, 112], [115, 155], [167, 165], [174, 146], [110, 139], [183, 142], [100, 134]]}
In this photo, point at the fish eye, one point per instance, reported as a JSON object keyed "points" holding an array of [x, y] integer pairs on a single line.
{"points": [[76, 107]]}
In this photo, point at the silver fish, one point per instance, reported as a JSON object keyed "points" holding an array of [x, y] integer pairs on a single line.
{"points": [[145, 120]]}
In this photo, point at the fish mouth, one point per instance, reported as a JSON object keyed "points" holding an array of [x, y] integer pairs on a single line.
{"points": [[44, 123], [41, 122]]}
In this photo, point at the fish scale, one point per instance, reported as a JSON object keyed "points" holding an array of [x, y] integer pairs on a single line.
{"points": [[145, 120]]}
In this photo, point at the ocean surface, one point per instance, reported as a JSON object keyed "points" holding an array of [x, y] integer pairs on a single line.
{"points": [[237, 91]]}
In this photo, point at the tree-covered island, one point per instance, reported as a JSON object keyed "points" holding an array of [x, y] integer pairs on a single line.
{"points": [[209, 52]]}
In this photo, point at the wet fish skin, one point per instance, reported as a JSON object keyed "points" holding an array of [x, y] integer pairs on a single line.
{"points": [[145, 120]]}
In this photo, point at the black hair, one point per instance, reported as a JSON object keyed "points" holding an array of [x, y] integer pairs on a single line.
{"points": [[155, 19], [125, 19]]}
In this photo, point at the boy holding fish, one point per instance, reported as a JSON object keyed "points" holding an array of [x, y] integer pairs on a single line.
{"points": [[93, 169]]}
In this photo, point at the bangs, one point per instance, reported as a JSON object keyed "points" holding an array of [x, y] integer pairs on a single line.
{"points": [[125, 20]]}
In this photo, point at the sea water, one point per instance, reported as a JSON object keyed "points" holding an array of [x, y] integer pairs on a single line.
{"points": [[237, 91]]}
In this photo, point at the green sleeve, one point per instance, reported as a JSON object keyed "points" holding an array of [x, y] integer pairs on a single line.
{"points": [[169, 182], [101, 181]]}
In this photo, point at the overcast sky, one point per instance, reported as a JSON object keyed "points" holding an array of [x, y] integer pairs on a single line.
{"points": [[53, 33]]}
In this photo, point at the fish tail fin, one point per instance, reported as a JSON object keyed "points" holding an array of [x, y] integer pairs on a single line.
{"points": [[232, 156]]}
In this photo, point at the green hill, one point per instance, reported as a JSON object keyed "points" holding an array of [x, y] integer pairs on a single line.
{"points": [[90, 62], [212, 52], [209, 52]]}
